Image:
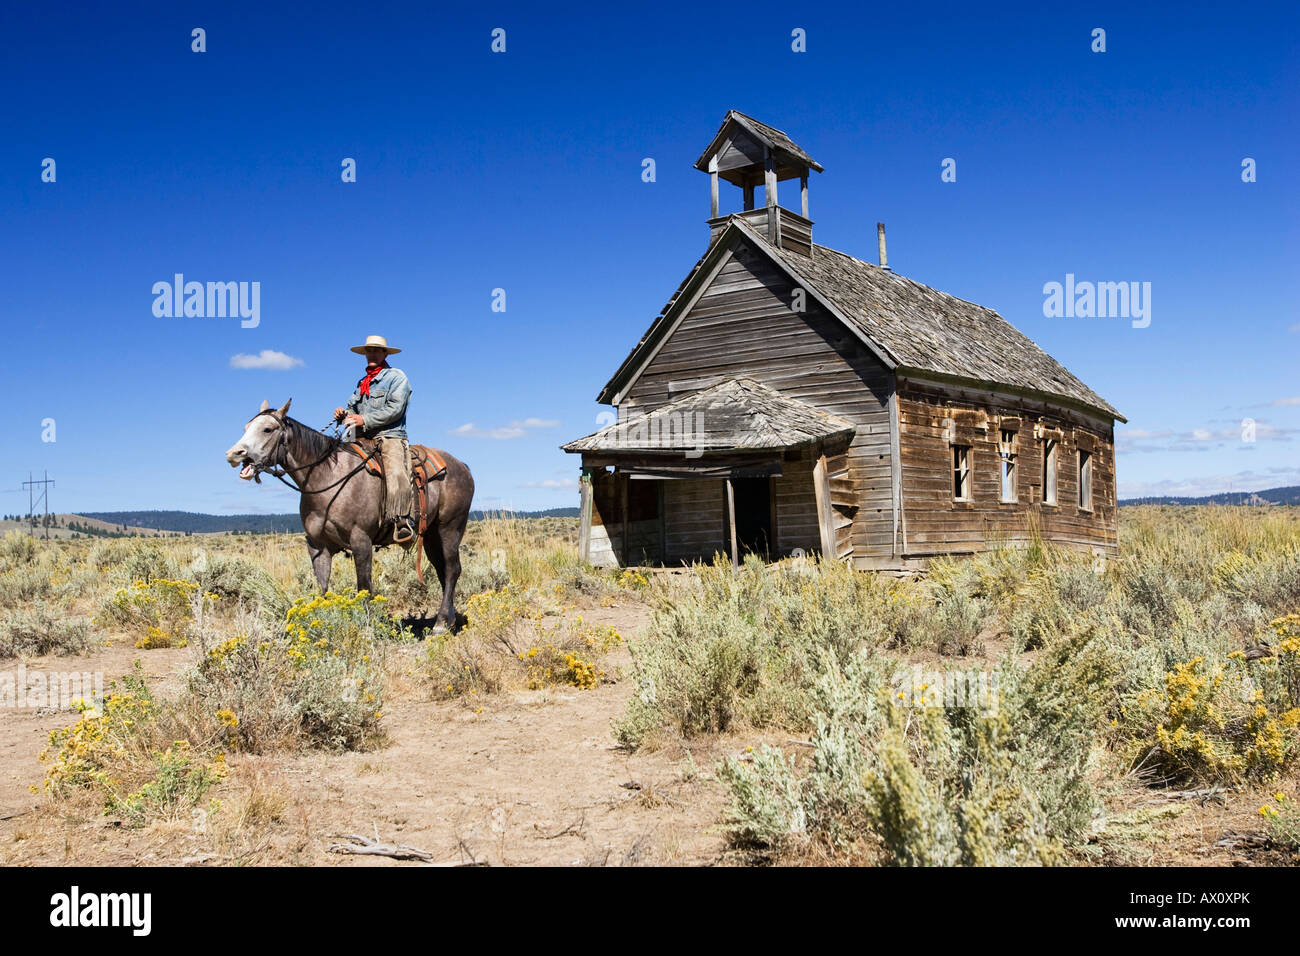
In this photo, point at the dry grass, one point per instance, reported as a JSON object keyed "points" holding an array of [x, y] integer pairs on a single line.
{"points": [[775, 653]]}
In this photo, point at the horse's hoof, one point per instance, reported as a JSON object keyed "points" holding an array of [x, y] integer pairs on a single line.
{"points": [[438, 629]]}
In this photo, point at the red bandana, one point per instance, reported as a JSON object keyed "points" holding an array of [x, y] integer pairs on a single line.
{"points": [[364, 384]]}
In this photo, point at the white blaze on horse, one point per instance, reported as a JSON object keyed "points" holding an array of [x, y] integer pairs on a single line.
{"points": [[341, 504]]}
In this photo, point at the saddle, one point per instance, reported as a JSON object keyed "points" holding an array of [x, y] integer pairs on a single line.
{"points": [[426, 466]]}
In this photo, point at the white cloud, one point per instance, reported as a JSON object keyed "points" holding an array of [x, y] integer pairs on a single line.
{"points": [[265, 359], [552, 483], [1141, 434], [516, 429], [1136, 440], [1286, 402]]}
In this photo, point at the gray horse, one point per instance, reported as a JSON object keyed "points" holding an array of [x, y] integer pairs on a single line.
{"points": [[340, 499]]}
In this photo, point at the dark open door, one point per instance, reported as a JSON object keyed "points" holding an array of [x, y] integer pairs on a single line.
{"points": [[753, 515]]}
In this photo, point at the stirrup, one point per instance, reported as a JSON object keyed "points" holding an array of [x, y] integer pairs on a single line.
{"points": [[401, 525]]}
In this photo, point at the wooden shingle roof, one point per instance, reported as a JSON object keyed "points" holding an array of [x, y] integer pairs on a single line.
{"points": [[738, 414], [769, 136], [911, 326], [932, 331]]}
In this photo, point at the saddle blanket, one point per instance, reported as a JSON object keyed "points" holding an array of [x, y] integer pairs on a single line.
{"points": [[426, 464]]}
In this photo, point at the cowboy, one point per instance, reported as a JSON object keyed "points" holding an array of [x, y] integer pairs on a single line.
{"points": [[377, 409]]}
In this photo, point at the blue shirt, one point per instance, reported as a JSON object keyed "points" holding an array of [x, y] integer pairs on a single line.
{"points": [[384, 409]]}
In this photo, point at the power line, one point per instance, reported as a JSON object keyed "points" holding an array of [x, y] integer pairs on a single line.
{"points": [[33, 500]]}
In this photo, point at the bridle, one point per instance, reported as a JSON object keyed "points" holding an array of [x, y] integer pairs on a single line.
{"points": [[278, 470]]}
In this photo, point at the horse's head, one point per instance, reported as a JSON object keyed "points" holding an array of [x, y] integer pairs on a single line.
{"points": [[261, 446]]}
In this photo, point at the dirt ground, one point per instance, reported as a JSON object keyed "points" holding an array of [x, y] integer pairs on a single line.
{"points": [[532, 777], [527, 778]]}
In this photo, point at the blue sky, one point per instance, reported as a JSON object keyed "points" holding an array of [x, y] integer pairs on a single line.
{"points": [[522, 171]]}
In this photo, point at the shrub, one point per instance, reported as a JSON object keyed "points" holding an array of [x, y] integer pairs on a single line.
{"points": [[113, 749], [766, 810], [568, 654], [940, 786], [145, 563], [36, 631], [705, 655], [1283, 818], [233, 580], [17, 549], [179, 781], [22, 584], [478, 660], [161, 608], [1226, 720], [320, 681]]}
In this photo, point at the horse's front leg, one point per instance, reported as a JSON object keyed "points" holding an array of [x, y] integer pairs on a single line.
{"points": [[322, 562], [363, 550]]}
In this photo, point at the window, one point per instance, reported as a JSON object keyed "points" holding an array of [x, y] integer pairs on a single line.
{"points": [[1085, 480], [961, 472], [1007, 452], [1049, 472]]}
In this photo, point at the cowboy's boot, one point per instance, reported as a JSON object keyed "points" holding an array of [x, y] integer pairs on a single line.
{"points": [[403, 530]]}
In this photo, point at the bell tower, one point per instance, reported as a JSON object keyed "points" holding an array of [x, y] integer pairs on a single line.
{"points": [[747, 153]]}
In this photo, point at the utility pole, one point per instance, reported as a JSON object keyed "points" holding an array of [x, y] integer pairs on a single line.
{"points": [[43, 498]]}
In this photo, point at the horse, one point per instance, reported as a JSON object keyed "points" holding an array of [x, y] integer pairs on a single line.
{"points": [[340, 500]]}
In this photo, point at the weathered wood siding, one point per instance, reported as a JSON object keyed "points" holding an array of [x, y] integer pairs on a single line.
{"points": [[626, 527], [796, 508], [743, 325], [694, 519], [933, 417]]}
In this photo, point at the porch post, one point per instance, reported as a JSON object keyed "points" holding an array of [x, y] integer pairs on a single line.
{"points": [[584, 510], [822, 489], [731, 522], [625, 492]]}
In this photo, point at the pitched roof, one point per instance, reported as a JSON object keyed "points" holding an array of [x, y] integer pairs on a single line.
{"points": [[912, 326], [932, 331], [736, 414], [769, 136]]}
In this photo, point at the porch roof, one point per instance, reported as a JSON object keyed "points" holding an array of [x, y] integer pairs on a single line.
{"points": [[738, 414]]}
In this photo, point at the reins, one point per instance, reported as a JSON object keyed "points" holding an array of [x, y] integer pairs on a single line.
{"points": [[279, 471]]}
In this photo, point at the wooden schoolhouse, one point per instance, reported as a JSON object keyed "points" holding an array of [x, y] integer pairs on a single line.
{"points": [[793, 399]]}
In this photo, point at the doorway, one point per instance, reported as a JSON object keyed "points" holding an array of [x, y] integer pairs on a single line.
{"points": [[753, 500]]}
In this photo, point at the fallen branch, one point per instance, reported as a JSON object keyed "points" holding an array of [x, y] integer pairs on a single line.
{"points": [[364, 846], [1201, 796], [1233, 839], [574, 828]]}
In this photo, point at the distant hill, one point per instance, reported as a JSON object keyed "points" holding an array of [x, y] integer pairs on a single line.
{"points": [[190, 522], [80, 526], [548, 513], [1273, 496]]}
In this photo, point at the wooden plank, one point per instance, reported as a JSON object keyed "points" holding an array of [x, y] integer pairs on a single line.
{"points": [[822, 492], [623, 493], [584, 532], [713, 184], [731, 522]]}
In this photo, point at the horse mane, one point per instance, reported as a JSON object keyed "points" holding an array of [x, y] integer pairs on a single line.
{"points": [[307, 444]]}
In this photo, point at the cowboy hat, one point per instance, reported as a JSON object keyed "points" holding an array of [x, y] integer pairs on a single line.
{"points": [[375, 342]]}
